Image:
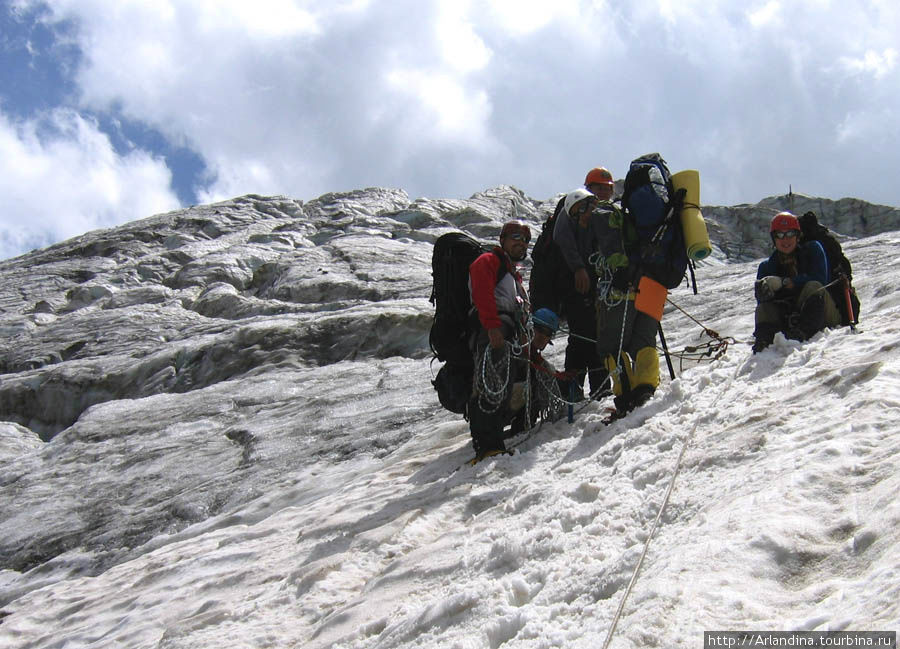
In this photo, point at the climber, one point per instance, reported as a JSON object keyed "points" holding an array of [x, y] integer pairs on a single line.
{"points": [[626, 335], [535, 380], [599, 182], [577, 233], [501, 305], [551, 277], [790, 287]]}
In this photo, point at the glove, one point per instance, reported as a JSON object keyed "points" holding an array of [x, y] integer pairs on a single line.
{"points": [[767, 287], [616, 260], [495, 338]]}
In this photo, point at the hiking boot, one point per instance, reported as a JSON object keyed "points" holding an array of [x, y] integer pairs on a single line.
{"points": [[764, 336], [485, 444], [622, 404], [633, 399], [641, 395], [760, 344], [483, 456], [795, 333], [811, 319]]}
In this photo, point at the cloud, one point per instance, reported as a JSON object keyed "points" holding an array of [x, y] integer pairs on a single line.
{"points": [[447, 98], [878, 64], [524, 17], [765, 14], [60, 177]]}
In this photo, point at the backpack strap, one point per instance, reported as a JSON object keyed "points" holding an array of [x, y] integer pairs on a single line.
{"points": [[503, 270]]}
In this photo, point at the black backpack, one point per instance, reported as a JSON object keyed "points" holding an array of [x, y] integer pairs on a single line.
{"points": [[454, 319], [653, 206], [546, 286], [838, 265], [543, 245]]}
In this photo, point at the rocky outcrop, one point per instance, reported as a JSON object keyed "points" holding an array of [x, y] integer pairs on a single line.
{"points": [[740, 232], [182, 301]]}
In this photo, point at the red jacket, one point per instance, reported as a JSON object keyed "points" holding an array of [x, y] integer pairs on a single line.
{"points": [[491, 297]]}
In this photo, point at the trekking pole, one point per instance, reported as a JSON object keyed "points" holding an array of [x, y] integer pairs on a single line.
{"points": [[662, 339], [851, 317]]}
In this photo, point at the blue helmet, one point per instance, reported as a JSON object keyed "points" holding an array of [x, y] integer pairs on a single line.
{"points": [[545, 318]]}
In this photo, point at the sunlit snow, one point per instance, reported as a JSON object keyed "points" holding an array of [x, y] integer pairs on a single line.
{"points": [[272, 467]]}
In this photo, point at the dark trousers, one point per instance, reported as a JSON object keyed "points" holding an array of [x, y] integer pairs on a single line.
{"points": [[799, 317], [581, 351], [487, 427]]}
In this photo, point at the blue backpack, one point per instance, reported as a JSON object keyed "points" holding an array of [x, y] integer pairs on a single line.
{"points": [[653, 205]]}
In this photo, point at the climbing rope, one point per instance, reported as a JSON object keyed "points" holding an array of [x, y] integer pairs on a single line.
{"points": [[713, 349], [605, 294], [492, 377], [659, 515]]}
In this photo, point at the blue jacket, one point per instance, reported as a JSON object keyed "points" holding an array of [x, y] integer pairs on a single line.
{"points": [[812, 265]]}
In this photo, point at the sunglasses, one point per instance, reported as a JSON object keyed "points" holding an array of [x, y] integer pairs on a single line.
{"points": [[790, 234], [544, 330], [518, 236], [582, 207]]}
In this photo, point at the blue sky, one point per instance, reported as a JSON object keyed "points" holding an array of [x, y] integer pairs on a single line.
{"points": [[112, 111]]}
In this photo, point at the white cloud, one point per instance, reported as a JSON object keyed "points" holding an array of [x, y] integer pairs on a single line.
{"points": [[60, 176], [523, 17], [878, 64], [765, 15], [868, 126], [445, 99], [461, 47], [448, 110], [263, 18]]}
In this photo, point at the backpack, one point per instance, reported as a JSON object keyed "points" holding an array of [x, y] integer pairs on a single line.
{"points": [[454, 319], [653, 206], [838, 265], [547, 284], [543, 245]]}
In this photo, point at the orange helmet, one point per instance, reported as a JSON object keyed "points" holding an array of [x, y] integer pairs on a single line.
{"points": [[784, 222], [599, 175]]}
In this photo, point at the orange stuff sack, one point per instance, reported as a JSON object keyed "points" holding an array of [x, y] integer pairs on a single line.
{"points": [[651, 298]]}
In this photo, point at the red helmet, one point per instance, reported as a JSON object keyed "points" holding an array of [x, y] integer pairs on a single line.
{"points": [[784, 222], [511, 227], [599, 175]]}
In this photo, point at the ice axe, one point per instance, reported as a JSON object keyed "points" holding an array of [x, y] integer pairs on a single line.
{"points": [[850, 315]]}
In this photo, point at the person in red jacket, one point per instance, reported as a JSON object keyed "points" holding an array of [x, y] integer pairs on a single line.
{"points": [[501, 303]]}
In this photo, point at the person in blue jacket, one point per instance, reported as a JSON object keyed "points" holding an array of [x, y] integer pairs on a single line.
{"points": [[790, 287]]}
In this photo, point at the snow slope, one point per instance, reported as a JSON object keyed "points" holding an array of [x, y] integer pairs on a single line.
{"points": [[783, 514]]}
